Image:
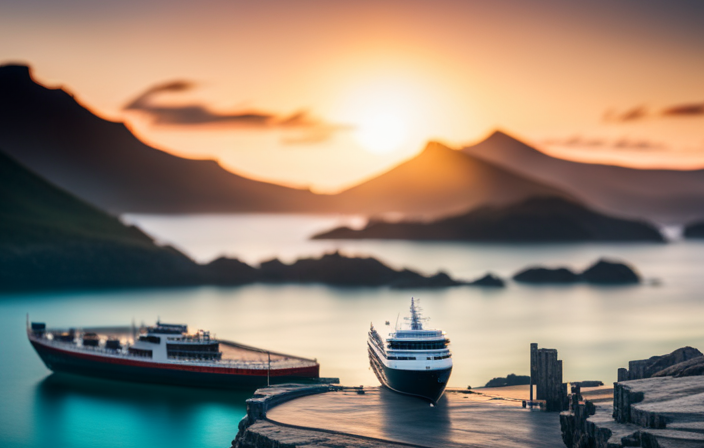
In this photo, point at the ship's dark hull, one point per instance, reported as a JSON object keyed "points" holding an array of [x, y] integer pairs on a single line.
{"points": [[427, 384], [125, 369]]}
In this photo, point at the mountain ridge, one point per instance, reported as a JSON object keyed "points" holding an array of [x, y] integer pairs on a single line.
{"points": [[440, 181], [50, 239], [101, 161], [105, 164], [661, 195], [534, 220]]}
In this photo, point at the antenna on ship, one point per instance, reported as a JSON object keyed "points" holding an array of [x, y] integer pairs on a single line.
{"points": [[416, 316]]}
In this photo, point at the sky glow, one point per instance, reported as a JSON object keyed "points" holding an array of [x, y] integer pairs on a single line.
{"points": [[371, 82]]}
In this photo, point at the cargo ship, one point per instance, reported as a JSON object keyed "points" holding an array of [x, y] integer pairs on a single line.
{"points": [[413, 360], [167, 354]]}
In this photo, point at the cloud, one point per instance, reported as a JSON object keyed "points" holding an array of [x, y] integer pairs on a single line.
{"points": [[576, 141], [641, 112], [636, 113], [298, 119], [173, 86], [621, 144], [317, 135], [684, 110], [638, 145], [315, 130], [196, 114]]}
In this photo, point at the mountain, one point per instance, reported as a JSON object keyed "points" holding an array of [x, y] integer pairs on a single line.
{"points": [[666, 196], [103, 163], [546, 219], [49, 238], [440, 181]]}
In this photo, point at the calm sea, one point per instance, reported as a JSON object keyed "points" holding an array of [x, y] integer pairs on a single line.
{"points": [[595, 329]]}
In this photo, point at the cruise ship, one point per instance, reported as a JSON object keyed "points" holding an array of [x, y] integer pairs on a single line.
{"points": [[413, 360], [166, 354]]}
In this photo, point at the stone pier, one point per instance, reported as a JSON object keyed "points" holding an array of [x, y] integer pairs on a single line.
{"points": [[375, 417]]}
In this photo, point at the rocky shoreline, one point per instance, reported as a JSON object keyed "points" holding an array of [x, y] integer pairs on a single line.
{"points": [[658, 403]]}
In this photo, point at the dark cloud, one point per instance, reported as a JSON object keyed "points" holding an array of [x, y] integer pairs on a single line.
{"points": [[624, 144], [298, 119], [173, 86], [198, 114], [575, 141], [637, 145], [641, 112], [636, 113], [684, 110]]}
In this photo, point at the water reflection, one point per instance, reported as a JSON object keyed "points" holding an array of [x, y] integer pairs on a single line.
{"points": [[400, 412], [79, 411]]}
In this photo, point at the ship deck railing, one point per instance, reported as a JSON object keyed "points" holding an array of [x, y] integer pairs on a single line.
{"points": [[255, 365], [230, 363]]}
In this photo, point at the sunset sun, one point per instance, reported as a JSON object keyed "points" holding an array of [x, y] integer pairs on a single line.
{"points": [[381, 133]]}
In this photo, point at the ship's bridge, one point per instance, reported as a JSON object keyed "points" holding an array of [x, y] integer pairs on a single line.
{"points": [[417, 340], [162, 328], [418, 334]]}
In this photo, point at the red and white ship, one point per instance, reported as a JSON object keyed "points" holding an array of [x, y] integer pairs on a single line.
{"points": [[167, 354]]}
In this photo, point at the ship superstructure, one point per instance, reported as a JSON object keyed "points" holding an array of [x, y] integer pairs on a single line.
{"points": [[413, 360], [167, 354]]}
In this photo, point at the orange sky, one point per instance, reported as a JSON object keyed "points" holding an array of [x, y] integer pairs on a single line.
{"points": [[584, 80]]}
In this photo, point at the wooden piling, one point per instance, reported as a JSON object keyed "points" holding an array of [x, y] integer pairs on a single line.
{"points": [[546, 374]]}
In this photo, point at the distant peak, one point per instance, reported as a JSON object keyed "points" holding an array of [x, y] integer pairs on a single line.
{"points": [[500, 135], [499, 139], [433, 146], [15, 72]]}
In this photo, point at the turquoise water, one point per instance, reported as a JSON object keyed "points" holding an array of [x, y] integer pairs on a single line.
{"points": [[39, 409], [596, 330]]}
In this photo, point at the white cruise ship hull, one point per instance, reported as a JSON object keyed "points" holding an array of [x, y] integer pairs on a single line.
{"points": [[427, 384]]}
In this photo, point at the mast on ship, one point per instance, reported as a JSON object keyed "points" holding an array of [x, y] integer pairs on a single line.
{"points": [[416, 319]]}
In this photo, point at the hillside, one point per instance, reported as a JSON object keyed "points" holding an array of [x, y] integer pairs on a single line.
{"points": [[667, 196], [103, 163], [538, 220], [49, 238], [440, 181]]}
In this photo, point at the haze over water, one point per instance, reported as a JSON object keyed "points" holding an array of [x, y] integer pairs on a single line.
{"points": [[595, 329]]}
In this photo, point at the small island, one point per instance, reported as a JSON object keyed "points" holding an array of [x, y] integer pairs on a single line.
{"points": [[332, 269], [510, 380], [694, 230], [536, 220], [603, 272]]}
